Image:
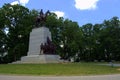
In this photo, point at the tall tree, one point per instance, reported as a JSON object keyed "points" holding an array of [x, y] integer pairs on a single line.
{"points": [[70, 38], [18, 20], [2, 45], [97, 53], [88, 41], [110, 38]]}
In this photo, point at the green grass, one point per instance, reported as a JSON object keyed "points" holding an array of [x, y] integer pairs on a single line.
{"points": [[66, 69]]}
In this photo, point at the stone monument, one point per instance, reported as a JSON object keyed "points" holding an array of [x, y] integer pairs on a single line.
{"points": [[41, 48]]}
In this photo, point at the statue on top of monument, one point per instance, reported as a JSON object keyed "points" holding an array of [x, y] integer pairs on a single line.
{"points": [[41, 18]]}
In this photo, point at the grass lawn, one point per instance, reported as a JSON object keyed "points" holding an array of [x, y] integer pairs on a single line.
{"points": [[66, 69]]}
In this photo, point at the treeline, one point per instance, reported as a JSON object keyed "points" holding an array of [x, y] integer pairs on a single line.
{"points": [[83, 43]]}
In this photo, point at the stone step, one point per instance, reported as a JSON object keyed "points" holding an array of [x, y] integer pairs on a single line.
{"points": [[39, 59]]}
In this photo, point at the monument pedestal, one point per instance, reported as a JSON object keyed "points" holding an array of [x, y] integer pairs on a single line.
{"points": [[39, 36], [41, 59]]}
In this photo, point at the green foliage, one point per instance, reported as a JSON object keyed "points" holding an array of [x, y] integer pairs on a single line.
{"points": [[64, 31], [70, 38], [101, 41], [2, 44], [88, 42], [110, 38], [18, 20]]}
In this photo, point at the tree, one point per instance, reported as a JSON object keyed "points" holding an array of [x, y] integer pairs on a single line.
{"points": [[19, 21], [55, 25], [97, 53], [2, 36], [2, 45], [88, 41], [70, 38], [110, 39], [66, 32]]}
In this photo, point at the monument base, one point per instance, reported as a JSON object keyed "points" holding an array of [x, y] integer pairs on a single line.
{"points": [[39, 36], [43, 58]]}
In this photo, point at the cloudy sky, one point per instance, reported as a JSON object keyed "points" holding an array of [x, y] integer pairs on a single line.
{"points": [[82, 11]]}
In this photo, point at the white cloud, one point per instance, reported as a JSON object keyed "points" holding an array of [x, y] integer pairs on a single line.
{"points": [[23, 2], [14, 3], [59, 13], [86, 4]]}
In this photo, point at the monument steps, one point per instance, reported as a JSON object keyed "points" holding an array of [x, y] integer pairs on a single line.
{"points": [[43, 58]]}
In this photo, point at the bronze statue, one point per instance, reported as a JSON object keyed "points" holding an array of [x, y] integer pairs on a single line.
{"points": [[41, 19], [48, 47]]}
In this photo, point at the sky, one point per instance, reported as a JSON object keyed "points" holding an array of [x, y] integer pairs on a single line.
{"points": [[81, 11]]}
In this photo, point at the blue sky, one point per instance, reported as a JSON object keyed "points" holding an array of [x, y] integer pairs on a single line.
{"points": [[81, 11]]}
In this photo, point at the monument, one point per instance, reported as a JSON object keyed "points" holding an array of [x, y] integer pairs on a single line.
{"points": [[41, 48]]}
